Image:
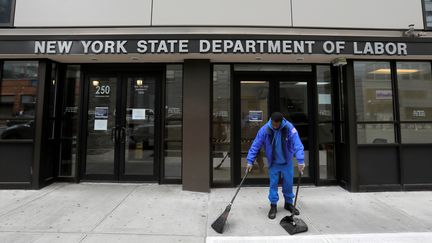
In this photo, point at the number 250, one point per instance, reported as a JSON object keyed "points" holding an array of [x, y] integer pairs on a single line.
{"points": [[104, 89]]}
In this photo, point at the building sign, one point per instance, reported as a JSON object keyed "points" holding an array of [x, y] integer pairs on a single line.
{"points": [[205, 46], [216, 44]]}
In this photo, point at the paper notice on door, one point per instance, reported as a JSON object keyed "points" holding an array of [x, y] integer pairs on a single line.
{"points": [[324, 99], [101, 112], [101, 125], [255, 116], [138, 114]]}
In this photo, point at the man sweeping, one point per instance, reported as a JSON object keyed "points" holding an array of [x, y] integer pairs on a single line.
{"points": [[281, 142]]}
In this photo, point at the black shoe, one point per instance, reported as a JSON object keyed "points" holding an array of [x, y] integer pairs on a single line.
{"points": [[272, 212], [290, 207]]}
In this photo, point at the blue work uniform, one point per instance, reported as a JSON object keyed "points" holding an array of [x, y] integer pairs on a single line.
{"points": [[281, 145]]}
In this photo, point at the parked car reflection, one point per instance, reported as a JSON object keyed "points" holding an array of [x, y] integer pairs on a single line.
{"points": [[18, 130]]}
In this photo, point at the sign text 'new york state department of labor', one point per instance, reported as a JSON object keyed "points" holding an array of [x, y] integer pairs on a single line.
{"points": [[220, 46]]}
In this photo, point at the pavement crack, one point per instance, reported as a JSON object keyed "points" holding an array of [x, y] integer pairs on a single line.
{"points": [[34, 199], [110, 212]]}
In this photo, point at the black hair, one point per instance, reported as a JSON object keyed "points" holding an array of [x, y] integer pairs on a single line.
{"points": [[277, 116]]}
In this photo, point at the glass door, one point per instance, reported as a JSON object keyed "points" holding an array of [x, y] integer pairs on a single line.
{"points": [[102, 127], [260, 96], [138, 141], [121, 134]]}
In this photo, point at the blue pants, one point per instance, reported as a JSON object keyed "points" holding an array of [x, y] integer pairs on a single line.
{"points": [[287, 173]]}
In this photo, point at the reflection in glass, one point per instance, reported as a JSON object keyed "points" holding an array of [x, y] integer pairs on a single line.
{"points": [[324, 86], [327, 161], [221, 123], [70, 118], [293, 101], [415, 91], [173, 122], [101, 125], [294, 106], [375, 133], [254, 100], [140, 124], [416, 132], [373, 90], [18, 89], [5, 11], [428, 12]]}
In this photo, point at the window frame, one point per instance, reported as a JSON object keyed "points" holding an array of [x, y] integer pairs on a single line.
{"points": [[12, 16]]}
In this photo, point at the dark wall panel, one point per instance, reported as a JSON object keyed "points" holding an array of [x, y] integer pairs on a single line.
{"points": [[15, 162], [196, 125], [417, 164], [378, 166]]}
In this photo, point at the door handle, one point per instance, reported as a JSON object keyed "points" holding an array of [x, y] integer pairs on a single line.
{"points": [[113, 134], [123, 134]]}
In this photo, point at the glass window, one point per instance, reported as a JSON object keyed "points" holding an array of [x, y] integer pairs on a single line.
{"points": [[5, 12], [373, 91], [416, 132], [325, 104], [221, 120], [375, 133], [415, 91], [18, 90], [70, 119], [327, 163], [428, 13], [173, 122]]}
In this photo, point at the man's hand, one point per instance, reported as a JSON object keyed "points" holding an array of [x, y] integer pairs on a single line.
{"points": [[301, 167], [249, 167]]}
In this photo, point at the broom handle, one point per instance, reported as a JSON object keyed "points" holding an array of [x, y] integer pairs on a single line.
{"points": [[298, 186], [238, 189]]}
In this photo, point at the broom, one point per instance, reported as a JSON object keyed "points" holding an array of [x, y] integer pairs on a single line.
{"points": [[219, 224]]}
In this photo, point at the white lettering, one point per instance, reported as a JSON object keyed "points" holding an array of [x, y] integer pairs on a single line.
{"points": [[329, 47], [250, 46], [97, 47], [109, 47], [310, 46], [65, 46], [402, 49], [299, 47], [120, 47], [274, 46], [142, 46], [183, 46], [204, 46], [51, 47], [39, 47], [86, 45]]}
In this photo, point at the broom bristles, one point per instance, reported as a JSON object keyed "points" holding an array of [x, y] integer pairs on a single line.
{"points": [[219, 224]]}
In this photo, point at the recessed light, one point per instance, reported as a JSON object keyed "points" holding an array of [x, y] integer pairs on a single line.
{"points": [[135, 58], [299, 59], [95, 59], [258, 58]]}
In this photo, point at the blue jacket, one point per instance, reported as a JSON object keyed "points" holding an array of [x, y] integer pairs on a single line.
{"points": [[292, 144]]}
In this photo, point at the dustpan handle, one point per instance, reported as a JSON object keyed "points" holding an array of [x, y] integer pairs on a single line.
{"points": [[298, 187]]}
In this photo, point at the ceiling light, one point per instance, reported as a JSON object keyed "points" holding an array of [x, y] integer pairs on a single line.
{"points": [[399, 71], [253, 82], [95, 83], [139, 82]]}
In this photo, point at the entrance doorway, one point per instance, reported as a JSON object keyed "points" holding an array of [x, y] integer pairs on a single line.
{"points": [[260, 96], [121, 126]]}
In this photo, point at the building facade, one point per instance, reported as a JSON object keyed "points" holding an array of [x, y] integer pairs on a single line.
{"points": [[174, 91]]}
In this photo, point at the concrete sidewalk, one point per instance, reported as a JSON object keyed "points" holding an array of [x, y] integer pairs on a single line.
{"points": [[164, 213]]}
